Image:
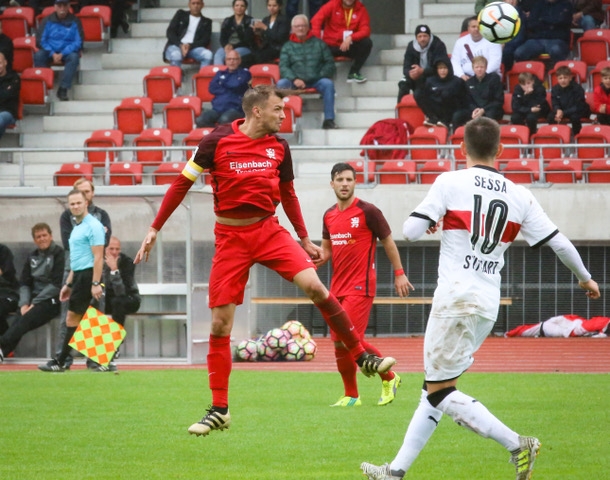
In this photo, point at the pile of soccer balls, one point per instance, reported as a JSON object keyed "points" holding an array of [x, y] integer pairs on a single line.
{"points": [[291, 342]]}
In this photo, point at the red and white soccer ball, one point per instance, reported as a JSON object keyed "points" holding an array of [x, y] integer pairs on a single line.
{"points": [[277, 338], [309, 347], [499, 22], [294, 351], [296, 329], [247, 350]]}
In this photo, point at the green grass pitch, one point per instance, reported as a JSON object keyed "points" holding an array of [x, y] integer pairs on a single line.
{"points": [[82, 425]]}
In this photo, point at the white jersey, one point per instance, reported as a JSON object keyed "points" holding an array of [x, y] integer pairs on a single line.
{"points": [[465, 49], [482, 214]]}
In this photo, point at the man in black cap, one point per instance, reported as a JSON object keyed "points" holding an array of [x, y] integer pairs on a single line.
{"points": [[420, 56], [60, 40]]}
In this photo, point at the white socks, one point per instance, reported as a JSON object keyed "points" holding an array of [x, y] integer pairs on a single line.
{"points": [[471, 414], [422, 426]]}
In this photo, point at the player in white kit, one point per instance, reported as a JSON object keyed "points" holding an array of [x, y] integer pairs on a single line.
{"points": [[482, 212]]}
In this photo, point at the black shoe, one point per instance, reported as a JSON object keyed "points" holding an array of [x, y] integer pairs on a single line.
{"points": [[62, 94], [1, 356], [69, 361], [125, 24], [329, 125], [51, 366], [371, 364]]}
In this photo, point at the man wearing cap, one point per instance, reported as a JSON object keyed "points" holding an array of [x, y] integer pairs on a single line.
{"points": [[420, 57], [60, 40]]}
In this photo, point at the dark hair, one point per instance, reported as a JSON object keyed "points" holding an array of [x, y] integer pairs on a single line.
{"points": [[563, 70], [41, 226], [341, 167], [482, 138], [280, 3], [235, 1], [260, 95], [76, 191]]}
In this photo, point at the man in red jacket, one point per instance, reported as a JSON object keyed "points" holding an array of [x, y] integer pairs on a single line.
{"points": [[345, 26]]}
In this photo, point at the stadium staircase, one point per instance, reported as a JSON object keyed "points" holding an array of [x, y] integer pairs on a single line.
{"points": [[106, 78]]}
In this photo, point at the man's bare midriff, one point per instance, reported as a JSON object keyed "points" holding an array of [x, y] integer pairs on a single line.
{"points": [[238, 222]]}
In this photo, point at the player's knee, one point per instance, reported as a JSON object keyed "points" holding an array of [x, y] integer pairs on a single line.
{"points": [[437, 397]]}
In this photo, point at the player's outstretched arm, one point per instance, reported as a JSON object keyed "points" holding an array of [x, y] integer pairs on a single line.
{"points": [[591, 288], [147, 245]]}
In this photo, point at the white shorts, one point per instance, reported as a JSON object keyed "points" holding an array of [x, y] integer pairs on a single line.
{"points": [[449, 344]]}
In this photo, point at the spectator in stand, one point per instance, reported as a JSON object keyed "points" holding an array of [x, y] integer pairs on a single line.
{"points": [[420, 57], [601, 98], [271, 33], [568, 102], [588, 14], [40, 282], [188, 36], [485, 94], [292, 8], [345, 27], [6, 47], [10, 86], [508, 51], [472, 45], [236, 33], [9, 287], [122, 295], [306, 61], [529, 102], [60, 40], [228, 87], [442, 96], [548, 29]]}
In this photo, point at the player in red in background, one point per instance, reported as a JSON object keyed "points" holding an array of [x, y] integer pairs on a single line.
{"points": [[482, 214], [251, 171], [349, 239]]}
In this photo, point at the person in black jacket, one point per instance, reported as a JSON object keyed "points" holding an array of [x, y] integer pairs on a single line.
{"points": [[6, 47], [485, 96], [270, 33], [568, 101], [188, 36], [529, 102], [442, 96], [122, 295], [236, 32], [420, 56], [9, 287], [39, 285], [10, 86]]}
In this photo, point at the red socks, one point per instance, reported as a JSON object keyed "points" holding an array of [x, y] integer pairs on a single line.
{"points": [[220, 362], [347, 368], [337, 319]]}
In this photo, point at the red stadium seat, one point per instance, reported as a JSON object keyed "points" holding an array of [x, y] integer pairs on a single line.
{"points": [[397, 172], [36, 83], [598, 171], [162, 83], [599, 134], [133, 114], [551, 134], [522, 171], [180, 113], [563, 170], [68, 173], [507, 107], [408, 110], [456, 139], [17, 21], [513, 135], [432, 169], [23, 53], [193, 139], [153, 137], [167, 172], [533, 66], [293, 109], [595, 75], [201, 81], [96, 21], [436, 136], [125, 173], [100, 139], [360, 166], [594, 46], [579, 70], [264, 74]]}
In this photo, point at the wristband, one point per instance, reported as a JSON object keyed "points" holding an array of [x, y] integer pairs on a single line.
{"points": [[97, 284], [399, 272]]}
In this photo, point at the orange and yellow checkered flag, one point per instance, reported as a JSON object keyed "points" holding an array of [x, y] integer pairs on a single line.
{"points": [[97, 336]]}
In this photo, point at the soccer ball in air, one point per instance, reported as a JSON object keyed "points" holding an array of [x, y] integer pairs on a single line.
{"points": [[247, 350], [294, 351], [277, 338], [499, 22]]}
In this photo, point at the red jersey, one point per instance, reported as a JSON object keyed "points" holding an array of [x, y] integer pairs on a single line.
{"points": [[353, 235], [333, 19], [250, 177]]}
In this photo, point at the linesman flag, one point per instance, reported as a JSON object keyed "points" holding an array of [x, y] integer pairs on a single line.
{"points": [[97, 336]]}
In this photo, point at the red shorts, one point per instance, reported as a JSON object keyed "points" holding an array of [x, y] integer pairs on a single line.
{"points": [[239, 248], [358, 309]]}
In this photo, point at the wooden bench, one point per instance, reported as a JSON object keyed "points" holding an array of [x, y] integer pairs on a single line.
{"points": [[504, 301]]}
